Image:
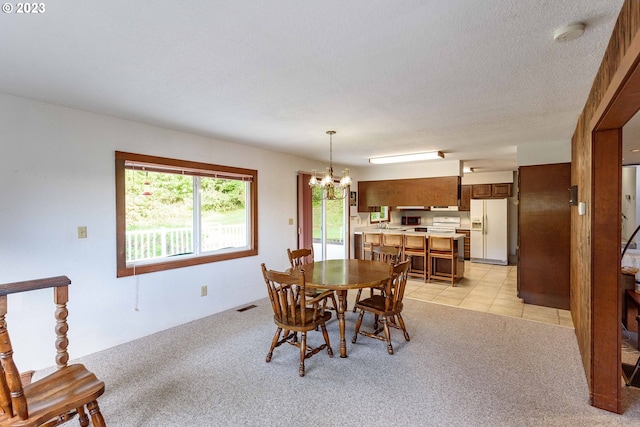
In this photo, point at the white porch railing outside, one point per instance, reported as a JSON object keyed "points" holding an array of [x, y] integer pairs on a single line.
{"points": [[164, 242]]}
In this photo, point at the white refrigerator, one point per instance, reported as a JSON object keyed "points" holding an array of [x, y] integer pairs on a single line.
{"points": [[489, 231]]}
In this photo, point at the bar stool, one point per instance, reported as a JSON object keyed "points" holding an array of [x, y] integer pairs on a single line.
{"points": [[442, 248], [370, 240], [415, 246], [395, 240]]}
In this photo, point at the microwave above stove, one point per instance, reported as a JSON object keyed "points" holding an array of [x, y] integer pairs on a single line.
{"points": [[411, 220]]}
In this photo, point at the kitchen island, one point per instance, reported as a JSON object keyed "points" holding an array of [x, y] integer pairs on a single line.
{"points": [[401, 231]]}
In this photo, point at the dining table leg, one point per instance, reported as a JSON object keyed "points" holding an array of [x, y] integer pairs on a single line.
{"points": [[342, 307]]}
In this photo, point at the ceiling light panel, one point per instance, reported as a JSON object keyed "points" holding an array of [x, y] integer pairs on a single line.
{"points": [[431, 155]]}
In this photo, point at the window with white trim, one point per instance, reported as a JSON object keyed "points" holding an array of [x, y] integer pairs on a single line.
{"points": [[175, 213]]}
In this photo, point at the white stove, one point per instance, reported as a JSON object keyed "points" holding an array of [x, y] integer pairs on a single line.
{"points": [[444, 224]]}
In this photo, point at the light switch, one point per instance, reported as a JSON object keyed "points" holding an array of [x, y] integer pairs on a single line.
{"points": [[290, 221], [82, 232]]}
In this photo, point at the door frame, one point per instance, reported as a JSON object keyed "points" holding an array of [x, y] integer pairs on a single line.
{"points": [[619, 104], [305, 215]]}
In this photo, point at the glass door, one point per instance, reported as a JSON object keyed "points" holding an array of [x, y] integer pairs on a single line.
{"points": [[329, 224]]}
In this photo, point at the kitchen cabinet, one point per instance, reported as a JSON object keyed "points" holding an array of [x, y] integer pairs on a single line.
{"points": [[501, 190], [441, 191], [481, 191], [465, 198], [358, 246], [491, 191], [544, 241], [467, 242]]}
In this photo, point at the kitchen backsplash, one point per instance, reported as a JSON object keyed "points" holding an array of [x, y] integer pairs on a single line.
{"points": [[427, 216]]}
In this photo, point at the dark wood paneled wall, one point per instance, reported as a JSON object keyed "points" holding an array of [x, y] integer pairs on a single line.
{"points": [[624, 33], [544, 227]]}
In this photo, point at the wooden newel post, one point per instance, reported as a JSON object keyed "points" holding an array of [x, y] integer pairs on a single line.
{"points": [[60, 298]]}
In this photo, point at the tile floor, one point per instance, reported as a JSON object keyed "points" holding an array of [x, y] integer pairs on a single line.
{"points": [[488, 288]]}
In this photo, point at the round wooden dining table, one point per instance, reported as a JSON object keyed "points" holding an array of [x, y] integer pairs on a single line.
{"points": [[340, 275]]}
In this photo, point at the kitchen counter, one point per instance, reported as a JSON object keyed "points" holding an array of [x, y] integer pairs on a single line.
{"points": [[409, 230]]}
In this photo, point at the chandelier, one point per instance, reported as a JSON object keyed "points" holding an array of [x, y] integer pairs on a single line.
{"points": [[330, 189]]}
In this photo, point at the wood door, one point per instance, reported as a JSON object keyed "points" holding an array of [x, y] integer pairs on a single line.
{"points": [[544, 224], [305, 214]]}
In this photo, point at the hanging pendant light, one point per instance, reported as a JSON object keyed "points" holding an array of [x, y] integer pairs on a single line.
{"points": [[330, 189]]}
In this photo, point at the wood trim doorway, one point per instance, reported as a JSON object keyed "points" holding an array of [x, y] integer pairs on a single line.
{"points": [[620, 102]]}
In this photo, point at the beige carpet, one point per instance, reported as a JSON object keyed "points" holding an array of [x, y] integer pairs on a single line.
{"points": [[461, 368]]}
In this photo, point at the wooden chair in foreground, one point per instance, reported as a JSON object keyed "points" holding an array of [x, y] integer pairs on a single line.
{"points": [[387, 307], [301, 257], [58, 397], [294, 311], [388, 254]]}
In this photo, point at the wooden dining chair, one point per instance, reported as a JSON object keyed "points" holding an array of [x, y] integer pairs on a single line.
{"points": [[302, 257], [387, 307], [294, 311], [57, 397], [386, 254], [298, 257]]}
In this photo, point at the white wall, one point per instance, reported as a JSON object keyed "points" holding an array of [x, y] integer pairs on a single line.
{"points": [[425, 169], [543, 153], [628, 202], [487, 177], [57, 173]]}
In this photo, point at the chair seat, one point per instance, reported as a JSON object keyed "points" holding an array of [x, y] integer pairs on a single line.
{"points": [[73, 386], [376, 304], [297, 325]]}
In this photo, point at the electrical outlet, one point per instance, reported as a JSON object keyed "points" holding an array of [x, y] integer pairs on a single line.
{"points": [[203, 291], [82, 232]]}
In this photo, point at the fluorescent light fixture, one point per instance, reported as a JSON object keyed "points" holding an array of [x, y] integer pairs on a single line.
{"points": [[407, 157]]}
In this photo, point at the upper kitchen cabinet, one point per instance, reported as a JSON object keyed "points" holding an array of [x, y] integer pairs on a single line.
{"points": [[465, 198], [443, 191], [490, 191]]}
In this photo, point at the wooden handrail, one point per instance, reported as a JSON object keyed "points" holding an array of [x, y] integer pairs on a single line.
{"points": [[60, 285], [30, 285]]}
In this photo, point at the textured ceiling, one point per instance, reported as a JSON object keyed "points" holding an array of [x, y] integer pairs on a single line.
{"points": [[474, 79]]}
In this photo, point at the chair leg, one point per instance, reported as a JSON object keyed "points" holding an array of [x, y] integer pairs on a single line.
{"points": [[453, 272], [358, 324], [357, 299], [303, 353], [96, 416], [274, 342], [404, 329], [83, 419], [326, 339], [387, 334], [375, 322]]}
